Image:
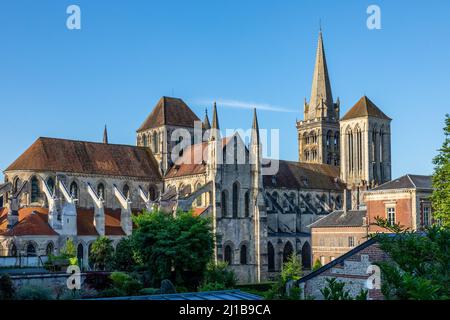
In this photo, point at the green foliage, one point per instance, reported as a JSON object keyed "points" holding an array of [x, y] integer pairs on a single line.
{"points": [[102, 253], [362, 295], [419, 266], [317, 265], [69, 250], [335, 290], [171, 246], [7, 290], [125, 283], [441, 180], [33, 293], [124, 259], [148, 291], [292, 269], [218, 277]]}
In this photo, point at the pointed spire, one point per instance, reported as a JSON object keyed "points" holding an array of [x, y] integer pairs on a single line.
{"points": [[206, 123], [255, 128], [215, 124], [105, 135], [321, 88]]}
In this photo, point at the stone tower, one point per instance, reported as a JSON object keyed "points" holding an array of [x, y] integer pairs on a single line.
{"points": [[366, 148], [318, 133]]}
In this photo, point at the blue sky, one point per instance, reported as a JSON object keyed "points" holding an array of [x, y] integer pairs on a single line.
{"points": [[68, 83]]}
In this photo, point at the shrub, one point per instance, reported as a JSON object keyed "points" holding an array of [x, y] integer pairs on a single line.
{"points": [[148, 291], [125, 283], [98, 281], [316, 265], [102, 253], [111, 292], [292, 269], [7, 291], [124, 256], [218, 276], [34, 293], [167, 287]]}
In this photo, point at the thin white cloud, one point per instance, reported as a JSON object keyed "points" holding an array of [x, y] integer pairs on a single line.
{"points": [[246, 105]]}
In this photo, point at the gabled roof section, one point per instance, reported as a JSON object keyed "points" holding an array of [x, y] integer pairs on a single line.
{"points": [[170, 111], [408, 181], [341, 218], [365, 108], [60, 155], [33, 221], [298, 175]]}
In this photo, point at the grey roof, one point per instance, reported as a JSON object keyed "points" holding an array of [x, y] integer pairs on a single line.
{"points": [[408, 181], [209, 295], [340, 218]]}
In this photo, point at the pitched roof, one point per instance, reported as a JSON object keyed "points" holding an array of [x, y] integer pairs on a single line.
{"points": [[193, 161], [33, 221], [170, 111], [339, 218], [85, 222], [297, 175], [50, 154], [408, 181], [363, 108]]}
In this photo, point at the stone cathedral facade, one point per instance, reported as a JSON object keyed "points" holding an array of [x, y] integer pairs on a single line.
{"points": [[59, 189]]}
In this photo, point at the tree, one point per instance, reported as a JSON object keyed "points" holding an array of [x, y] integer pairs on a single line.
{"points": [[335, 290], [102, 253], [292, 269], [441, 180], [317, 265], [69, 250], [418, 268], [124, 259], [173, 246], [218, 277]]}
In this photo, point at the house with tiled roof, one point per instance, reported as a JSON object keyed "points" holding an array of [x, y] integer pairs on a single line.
{"points": [[262, 210]]}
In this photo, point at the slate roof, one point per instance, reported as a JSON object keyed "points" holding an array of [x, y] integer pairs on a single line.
{"points": [[363, 108], [51, 154], [408, 181], [210, 295], [170, 111], [296, 175], [339, 218]]}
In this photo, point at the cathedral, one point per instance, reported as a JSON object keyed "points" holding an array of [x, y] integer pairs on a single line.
{"points": [[59, 189]]}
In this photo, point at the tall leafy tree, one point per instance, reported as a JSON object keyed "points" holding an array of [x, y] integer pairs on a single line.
{"points": [[102, 253], [171, 246], [441, 180]]}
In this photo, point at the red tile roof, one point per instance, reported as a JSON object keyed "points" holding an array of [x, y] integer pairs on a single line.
{"points": [[50, 154], [198, 211], [193, 161], [170, 111], [85, 222], [33, 221]]}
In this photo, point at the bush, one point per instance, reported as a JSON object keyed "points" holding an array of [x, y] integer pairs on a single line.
{"points": [[148, 291], [102, 253], [167, 287], [132, 287], [34, 293], [218, 276], [316, 265], [98, 281], [125, 283], [7, 291], [111, 292], [124, 256], [292, 269]]}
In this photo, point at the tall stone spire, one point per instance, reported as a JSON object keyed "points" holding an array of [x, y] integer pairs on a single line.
{"points": [[255, 128], [215, 124], [321, 102], [105, 135]]}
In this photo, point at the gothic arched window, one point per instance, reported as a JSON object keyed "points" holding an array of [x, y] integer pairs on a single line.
{"points": [[198, 201], [50, 248], [247, 204], [126, 191], [235, 199], [31, 249], [228, 255], [80, 252], [287, 251], [224, 199], [144, 140], [243, 254], [16, 184], [74, 190], [101, 190], [13, 250], [35, 191], [152, 193]]}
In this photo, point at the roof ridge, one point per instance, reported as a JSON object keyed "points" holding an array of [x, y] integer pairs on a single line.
{"points": [[415, 186]]}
